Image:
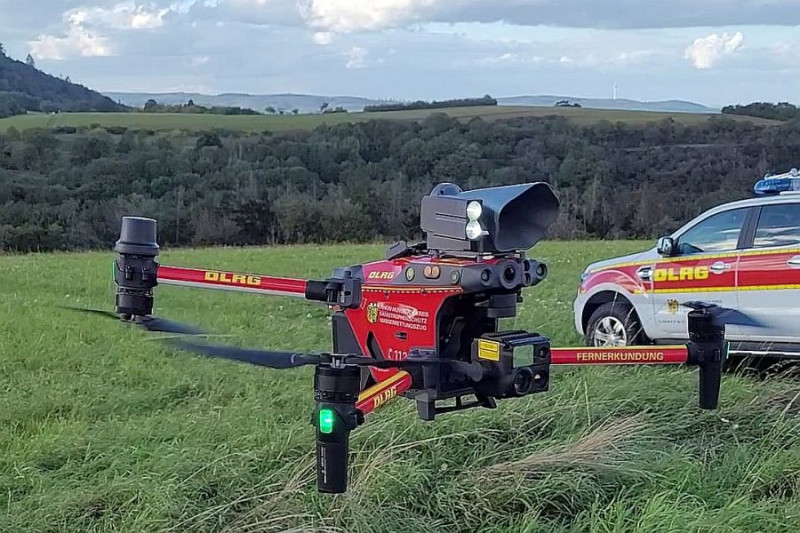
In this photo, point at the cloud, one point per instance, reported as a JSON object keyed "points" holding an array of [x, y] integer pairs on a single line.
{"points": [[705, 52], [356, 58], [323, 37], [414, 49], [620, 14], [124, 16], [78, 41], [346, 16], [87, 28]]}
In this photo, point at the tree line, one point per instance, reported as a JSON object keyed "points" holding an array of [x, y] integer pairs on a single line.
{"points": [[441, 104], [780, 111], [152, 106], [363, 181]]}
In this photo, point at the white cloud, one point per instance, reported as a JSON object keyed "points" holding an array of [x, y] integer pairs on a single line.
{"points": [[323, 37], [87, 26], [704, 52], [123, 16], [78, 41], [346, 16], [356, 58]]}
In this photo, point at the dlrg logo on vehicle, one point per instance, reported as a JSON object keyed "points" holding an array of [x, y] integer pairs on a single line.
{"points": [[680, 274]]}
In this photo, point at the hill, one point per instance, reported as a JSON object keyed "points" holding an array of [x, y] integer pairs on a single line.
{"points": [[306, 103], [24, 88], [104, 429], [668, 106]]}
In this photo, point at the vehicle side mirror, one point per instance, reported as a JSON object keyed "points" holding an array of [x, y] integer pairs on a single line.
{"points": [[666, 246]]}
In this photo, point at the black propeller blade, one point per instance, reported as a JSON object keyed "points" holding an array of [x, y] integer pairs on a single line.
{"points": [[150, 323], [724, 315], [272, 359], [284, 360]]}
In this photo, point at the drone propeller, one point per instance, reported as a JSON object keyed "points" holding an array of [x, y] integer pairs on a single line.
{"points": [[272, 358], [150, 323], [268, 358], [724, 315], [285, 360]]}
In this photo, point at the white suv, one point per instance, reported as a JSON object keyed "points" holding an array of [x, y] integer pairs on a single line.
{"points": [[743, 255]]}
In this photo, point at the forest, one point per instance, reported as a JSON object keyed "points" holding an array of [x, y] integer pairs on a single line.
{"points": [[780, 111], [363, 182], [441, 104]]}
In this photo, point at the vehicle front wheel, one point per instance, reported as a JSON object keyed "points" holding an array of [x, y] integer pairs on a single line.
{"points": [[614, 324]]}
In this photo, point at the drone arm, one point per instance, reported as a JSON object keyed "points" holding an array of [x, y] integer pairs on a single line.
{"points": [[380, 393], [706, 349], [630, 355], [231, 281]]}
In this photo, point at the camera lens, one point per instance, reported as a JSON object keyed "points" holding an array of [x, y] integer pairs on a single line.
{"points": [[540, 380], [510, 273], [523, 381], [486, 275]]}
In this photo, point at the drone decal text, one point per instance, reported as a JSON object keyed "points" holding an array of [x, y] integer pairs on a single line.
{"points": [[233, 279]]}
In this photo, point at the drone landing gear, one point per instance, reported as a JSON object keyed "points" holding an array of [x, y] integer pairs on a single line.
{"points": [[427, 408]]}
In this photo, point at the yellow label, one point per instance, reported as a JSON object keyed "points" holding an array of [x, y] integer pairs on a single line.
{"points": [[488, 350], [384, 397], [620, 357], [680, 274], [233, 279]]}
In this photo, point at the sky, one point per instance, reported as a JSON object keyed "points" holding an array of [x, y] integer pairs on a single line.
{"points": [[713, 52]]}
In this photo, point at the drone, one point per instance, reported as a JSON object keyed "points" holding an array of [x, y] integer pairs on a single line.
{"points": [[423, 323]]}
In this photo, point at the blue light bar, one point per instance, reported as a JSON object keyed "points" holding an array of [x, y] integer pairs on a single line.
{"points": [[790, 181]]}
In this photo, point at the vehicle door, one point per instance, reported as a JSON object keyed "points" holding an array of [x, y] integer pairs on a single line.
{"points": [[769, 275], [701, 267]]}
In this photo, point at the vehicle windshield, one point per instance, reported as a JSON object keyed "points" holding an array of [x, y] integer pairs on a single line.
{"points": [[717, 233]]}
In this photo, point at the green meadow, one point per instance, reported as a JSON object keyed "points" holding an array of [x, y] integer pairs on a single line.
{"points": [[103, 428], [277, 123]]}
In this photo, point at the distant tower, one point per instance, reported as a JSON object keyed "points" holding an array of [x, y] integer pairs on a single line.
{"points": [[615, 91]]}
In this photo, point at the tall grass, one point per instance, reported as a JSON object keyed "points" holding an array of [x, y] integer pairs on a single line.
{"points": [[102, 429]]}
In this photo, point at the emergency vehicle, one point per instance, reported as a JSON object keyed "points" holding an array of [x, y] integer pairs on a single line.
{"points": [[743, 255]]}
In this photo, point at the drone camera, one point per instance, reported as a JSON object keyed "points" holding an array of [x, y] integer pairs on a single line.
{"points": [[516, 363]]}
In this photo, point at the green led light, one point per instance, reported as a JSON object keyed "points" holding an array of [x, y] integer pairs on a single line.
{"points": [[326, 419]]}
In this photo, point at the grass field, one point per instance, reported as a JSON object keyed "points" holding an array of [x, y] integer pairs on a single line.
{"points": [[258, 123], [102, 429]]}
